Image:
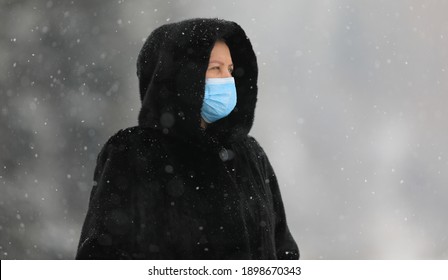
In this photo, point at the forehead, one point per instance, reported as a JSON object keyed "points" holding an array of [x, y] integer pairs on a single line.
{"points": [[220, 52]]}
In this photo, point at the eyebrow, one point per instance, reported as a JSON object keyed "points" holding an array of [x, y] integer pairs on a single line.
{"points": [[219, 62]]}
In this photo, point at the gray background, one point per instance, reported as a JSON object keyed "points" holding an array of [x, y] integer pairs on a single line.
{"points": [[351, 113]]}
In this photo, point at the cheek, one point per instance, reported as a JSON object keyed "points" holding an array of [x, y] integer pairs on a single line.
{"points": [[212, 74]]}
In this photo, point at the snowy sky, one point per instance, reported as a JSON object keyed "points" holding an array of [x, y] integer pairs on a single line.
{"points": [[350, 112]]}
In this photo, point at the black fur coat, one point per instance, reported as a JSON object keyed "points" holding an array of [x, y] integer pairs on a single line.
{"points": [[169, 189]]}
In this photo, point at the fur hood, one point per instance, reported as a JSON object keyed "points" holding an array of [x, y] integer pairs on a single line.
{"points": [[171, 70]]}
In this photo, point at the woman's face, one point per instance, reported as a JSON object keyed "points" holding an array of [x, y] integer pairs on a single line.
{"points": [[220, 64]]}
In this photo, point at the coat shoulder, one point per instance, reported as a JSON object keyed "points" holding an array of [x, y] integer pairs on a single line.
{"points": [[133, 138], [251, 141], [254, 145], [140, 148]]}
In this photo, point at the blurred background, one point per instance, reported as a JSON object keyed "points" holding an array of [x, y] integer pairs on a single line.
{"points": [[351, 113]]}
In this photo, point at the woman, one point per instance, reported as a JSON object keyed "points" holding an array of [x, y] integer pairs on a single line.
{"points": [[189, 182]]}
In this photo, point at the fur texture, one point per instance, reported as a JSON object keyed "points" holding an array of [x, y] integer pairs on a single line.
{"points": [[168, 189]]}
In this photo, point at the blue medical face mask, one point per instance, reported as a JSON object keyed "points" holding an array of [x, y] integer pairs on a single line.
{"points": [[219, 98]]}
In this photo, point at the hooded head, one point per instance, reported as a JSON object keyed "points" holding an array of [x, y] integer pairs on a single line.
{"points": [[171, 68]]}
